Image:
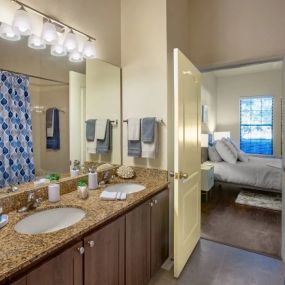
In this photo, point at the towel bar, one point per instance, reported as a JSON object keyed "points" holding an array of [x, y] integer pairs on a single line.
{"points": [[113, 122], [157, 120]]}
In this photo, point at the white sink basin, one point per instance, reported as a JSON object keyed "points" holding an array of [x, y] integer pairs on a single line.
{"points": [[125, 188], [49, 220]]}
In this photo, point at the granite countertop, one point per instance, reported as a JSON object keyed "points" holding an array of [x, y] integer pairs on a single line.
{"points": [[19, 251]]}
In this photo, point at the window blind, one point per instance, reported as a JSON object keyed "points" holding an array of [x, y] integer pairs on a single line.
{"points": [[256, 125]]}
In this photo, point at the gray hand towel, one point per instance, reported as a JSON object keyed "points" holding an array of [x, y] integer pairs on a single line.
{"points": [[148, 125], [134, 146], [103, 146], [90, 130]]}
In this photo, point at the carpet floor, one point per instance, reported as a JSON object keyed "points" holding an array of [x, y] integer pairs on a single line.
{"points": [[242, 226]]}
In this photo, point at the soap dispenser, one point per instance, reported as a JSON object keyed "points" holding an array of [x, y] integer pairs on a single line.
{"points": [[92, 179]]}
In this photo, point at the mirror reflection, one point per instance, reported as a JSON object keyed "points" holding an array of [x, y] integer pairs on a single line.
{"points": [[48, 106]]}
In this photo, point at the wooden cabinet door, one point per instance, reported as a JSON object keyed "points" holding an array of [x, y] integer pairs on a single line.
{"points": [[159, 230], [138, 245], [64, 269], [22, 281], [104, 262]]}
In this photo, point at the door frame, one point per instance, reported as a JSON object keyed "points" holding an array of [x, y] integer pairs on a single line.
{"points": [[254, 62]]}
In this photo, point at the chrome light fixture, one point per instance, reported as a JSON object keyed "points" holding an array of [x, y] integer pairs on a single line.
{"points": [[89, 50], [49, 33], [36, 42], [8, 33], [76, 56], [70, 42], [22, 22]]}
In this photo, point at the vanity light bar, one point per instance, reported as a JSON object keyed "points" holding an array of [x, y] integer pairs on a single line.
{"points": [[59, 23]]}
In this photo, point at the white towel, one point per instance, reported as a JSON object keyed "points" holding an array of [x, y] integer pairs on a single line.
{"points": [[101, 125], [149, 150], [109, 196], [134, 129], [92, 146]]}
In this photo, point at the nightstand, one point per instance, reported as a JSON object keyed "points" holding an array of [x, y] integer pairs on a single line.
{"points": [[207, 179]]}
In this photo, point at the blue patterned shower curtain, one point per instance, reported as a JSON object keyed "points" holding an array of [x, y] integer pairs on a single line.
{"points": [[16, 144]]}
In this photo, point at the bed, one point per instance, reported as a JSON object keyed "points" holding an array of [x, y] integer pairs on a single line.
{"points": [[258, 173]]}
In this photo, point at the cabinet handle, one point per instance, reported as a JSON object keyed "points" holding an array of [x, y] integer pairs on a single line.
{"points": [[81, 250], [151, 204], [155, 201], [91, 243]]}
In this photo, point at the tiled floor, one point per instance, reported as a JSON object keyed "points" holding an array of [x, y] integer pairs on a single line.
{"points": [[216, 264]]}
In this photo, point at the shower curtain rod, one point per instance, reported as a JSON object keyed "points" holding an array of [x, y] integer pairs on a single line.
{"points": [[35, 76]]}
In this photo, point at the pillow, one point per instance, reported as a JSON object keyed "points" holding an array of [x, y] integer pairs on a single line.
{"points": [[213, 154], [241, 155], [227, 151]]}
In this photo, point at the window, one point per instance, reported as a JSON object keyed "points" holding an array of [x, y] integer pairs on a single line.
{"points": [[256, 125]]}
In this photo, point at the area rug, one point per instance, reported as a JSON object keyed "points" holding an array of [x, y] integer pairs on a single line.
{"points": [[272, 202]]}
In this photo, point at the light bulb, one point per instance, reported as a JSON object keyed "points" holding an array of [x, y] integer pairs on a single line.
{"points": [[70, 42], [7, 32], [36, 42], [58, 50], [76, 56], [89, 50], [49, 33]]}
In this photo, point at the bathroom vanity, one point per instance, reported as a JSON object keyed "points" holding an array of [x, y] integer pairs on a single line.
{"points": [[117, 242]]}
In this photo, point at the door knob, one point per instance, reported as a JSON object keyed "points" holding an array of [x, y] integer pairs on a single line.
{"points": [[183, 175], [171, 173], [179, 175]]}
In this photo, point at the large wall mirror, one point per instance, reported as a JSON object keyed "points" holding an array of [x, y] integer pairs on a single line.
{"points": [[46, 104]]}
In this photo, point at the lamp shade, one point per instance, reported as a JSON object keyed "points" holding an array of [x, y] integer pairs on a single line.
{"points": [[22, 22], [70, 42], [7, 32], [204, 140], [220, 135], [76, 56], [36, 42], [49, 33], [89, 50]]}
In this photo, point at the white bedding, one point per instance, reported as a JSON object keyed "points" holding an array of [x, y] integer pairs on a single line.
{"points": [[258, 172]]}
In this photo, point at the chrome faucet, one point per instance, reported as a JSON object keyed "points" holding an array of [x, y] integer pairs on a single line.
{"points": [[32, 203], [12, 188], [106, 178]]}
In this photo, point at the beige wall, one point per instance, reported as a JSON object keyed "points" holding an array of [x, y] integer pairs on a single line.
{"points": [[229, 31], [231, 88], [209, 98], [103, 101], [144, 70]]}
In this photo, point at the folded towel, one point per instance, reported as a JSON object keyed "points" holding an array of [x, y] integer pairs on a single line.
{"points": [[134, 129], [90, 130], [111, 196], [101, 125], [103, 146], [148, 125], [54, 141], [149, 150], [91, 146], [49, 122]]}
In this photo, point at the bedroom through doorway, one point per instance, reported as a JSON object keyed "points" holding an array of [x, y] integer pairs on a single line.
{"points": [[241, 148]]}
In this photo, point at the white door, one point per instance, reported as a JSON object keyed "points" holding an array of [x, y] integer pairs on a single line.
{"points": [[187, 159]]}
